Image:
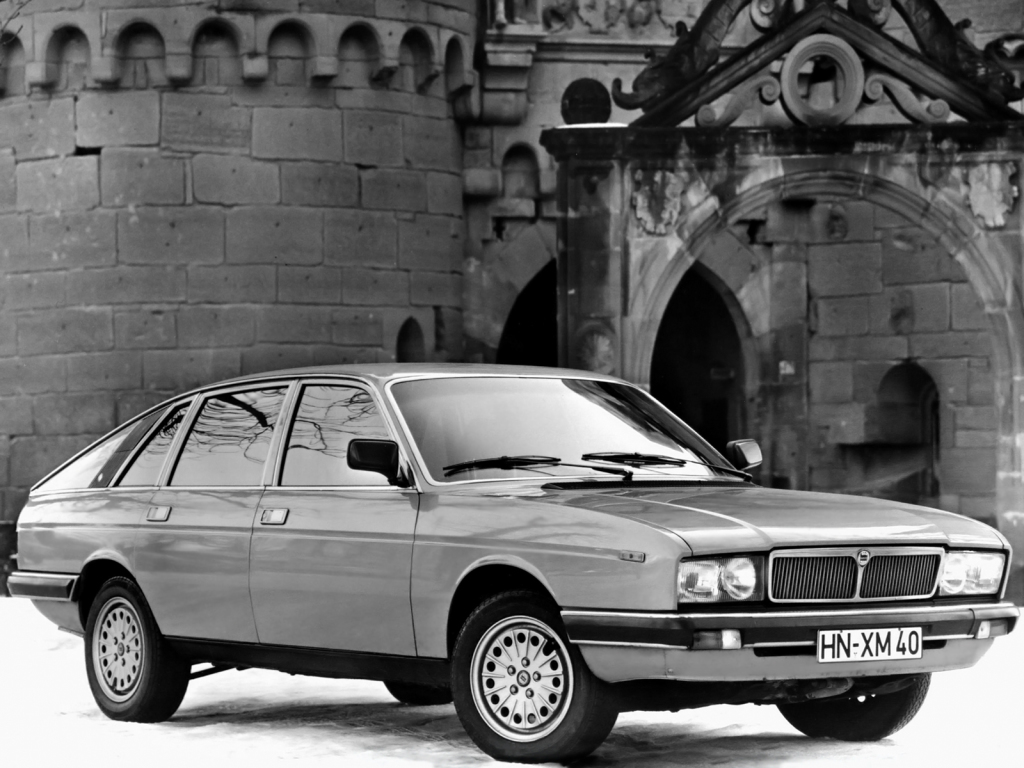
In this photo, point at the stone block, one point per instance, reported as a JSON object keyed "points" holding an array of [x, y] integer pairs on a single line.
{"points": [[15, 415], [825, 222], [975, 417], [232, 285], [32, 458], [180, 370], [58, 331], [730, 259], [381, 287], [8, 184], [216, 326], [39, 290], [435, 289], [309, 285], [911, 255], [979, 507], [951, 344], [126, 285], [482, 182], [831, 382], [234, 180], [272, 357], [432, 143], [8, 339], [968, 470], [294, 324], [950, 377], [15, 254], [845, 423], [37, 129], [131, 404], [788, 294], [324, 185], [844, 269], [275, 235], [271, 94], [117, 118], [403, 10], [910, 309], [352, 327], [32, 374], [858, 348], [71, 240], [204, 123], [968, 314], [373, 138], [182, 235], [60, 184], [980, 385], [297, 134], [394, 190], [478, 137], [428, 242], [363, 238], [976, 439], [75, 414], [444, 193], [844, 316], [144, 330], [105, 370], [140, 177]]}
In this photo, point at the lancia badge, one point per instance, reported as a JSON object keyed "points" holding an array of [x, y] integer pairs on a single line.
{"points": [[862, 557]]}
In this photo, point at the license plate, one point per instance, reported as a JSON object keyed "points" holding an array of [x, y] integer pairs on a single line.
{"points": [[869, 644]]}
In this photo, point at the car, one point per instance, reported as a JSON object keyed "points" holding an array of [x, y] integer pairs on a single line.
{"points": [[547, 548]]}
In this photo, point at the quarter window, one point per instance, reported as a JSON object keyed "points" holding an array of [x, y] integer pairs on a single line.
{"points": [[329, 417], [145, 467], [88, 470], [229, 441]]}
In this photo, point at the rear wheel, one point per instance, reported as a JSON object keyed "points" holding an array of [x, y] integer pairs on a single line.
{"points": [[419, 695], [133, 673], [864, 718], [521, 690]]}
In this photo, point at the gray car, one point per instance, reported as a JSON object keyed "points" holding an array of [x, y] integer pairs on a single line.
{"points": [[546, 547]]}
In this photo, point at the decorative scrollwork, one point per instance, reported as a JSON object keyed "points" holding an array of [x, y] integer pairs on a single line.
{"points": [[915, 107], [766, 13], [766, 85], [848, 80], [872, 11]]}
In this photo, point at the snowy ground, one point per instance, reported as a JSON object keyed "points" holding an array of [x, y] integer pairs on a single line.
{"points": [[252, 718]]}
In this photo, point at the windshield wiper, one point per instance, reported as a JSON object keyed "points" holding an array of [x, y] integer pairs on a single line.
{"points": [[654, 460], [515, 462]]}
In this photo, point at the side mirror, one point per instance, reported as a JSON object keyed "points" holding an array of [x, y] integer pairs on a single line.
{"points": [[743, 454], [375, 456]]}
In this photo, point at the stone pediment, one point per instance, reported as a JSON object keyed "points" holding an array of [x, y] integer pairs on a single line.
{"points": [[823, 65]]}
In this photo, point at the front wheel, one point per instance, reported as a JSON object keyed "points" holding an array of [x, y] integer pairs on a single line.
{"points": [[133, 673], [521, 690], [864, 718]]}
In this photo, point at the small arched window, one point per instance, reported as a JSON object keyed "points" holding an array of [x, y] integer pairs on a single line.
{"points": [[141, 50], [215, 55], [410, 347], [520, 173], [289, 50], [359, 55]]}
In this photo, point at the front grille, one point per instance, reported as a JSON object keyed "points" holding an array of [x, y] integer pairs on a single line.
{"points": [[833, 575]]}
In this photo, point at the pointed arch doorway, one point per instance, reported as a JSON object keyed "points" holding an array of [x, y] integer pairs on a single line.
{"points": [[697, 368]]}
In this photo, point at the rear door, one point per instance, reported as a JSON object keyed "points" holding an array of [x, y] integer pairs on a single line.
{"points": [[332, 546], [192, 552]]}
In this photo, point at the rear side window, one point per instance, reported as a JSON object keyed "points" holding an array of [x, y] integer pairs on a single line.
{"points": [[145, 467], [230, 439], [329, 417], [86, 470]]}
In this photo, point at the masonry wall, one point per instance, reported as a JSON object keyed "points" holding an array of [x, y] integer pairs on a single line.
{"points": [[188, 195]]}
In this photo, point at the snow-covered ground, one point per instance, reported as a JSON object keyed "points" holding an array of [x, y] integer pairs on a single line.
{"points": [[47, 718]]}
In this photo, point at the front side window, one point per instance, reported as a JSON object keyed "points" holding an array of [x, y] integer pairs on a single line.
{"points": [[329, 417], [145, 467], [230, 439]]}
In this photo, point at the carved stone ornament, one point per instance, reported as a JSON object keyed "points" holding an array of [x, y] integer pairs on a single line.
{"points": [[658, 200], [765, 85], [917, 108], [991, 192], [595, 350], [834, 87]]}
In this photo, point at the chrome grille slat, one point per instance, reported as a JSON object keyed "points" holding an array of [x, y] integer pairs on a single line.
{"points": [[832, 574]]}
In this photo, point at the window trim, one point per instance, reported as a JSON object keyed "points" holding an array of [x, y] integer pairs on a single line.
{"points": [[140, 446]]}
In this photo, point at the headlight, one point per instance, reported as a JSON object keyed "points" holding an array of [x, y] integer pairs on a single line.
{"points": [[720, 579], [972, 573]]}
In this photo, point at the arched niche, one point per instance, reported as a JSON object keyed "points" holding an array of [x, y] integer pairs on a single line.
{"points": [[359, 57], [215, 55], [68, 52], [12, 66], [415, 62], [520, 173], [410, 347], [530, 335], [454, 66], [140, 48], [289, 50]]}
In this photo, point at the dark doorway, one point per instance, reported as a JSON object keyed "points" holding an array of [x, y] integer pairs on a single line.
{"points": [[697, 370], [530, 336]]}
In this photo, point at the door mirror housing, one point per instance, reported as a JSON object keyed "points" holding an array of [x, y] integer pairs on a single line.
{"points": [[743, 454], [375, 456]]}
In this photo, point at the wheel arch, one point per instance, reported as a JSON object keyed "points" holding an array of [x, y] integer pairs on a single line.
{"points": [[94, 574], [484, 580]]}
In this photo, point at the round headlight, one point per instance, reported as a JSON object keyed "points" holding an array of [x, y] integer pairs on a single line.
{"points": [[739, 577], [954, 574]]}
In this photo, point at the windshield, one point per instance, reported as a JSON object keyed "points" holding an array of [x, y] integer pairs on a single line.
{"points": [[456, 420]]}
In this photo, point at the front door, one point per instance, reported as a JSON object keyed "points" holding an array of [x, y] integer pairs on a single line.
{"points": [[332, 546]]}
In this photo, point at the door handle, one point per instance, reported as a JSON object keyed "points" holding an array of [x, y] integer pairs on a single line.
{"points": [[158, 514], [273, 516]]}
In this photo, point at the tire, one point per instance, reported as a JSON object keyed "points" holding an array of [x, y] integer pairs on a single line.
{"points": [[140, 679], [865, 718], [418, 695], [572, 711]]}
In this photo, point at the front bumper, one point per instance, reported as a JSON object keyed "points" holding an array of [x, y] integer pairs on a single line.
{"points": [[780, 645]]}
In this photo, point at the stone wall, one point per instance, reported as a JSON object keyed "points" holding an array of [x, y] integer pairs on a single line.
{"points": [[190, 192]]}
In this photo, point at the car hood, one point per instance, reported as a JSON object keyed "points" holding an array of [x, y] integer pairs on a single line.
{"points": [[749, 518]]}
